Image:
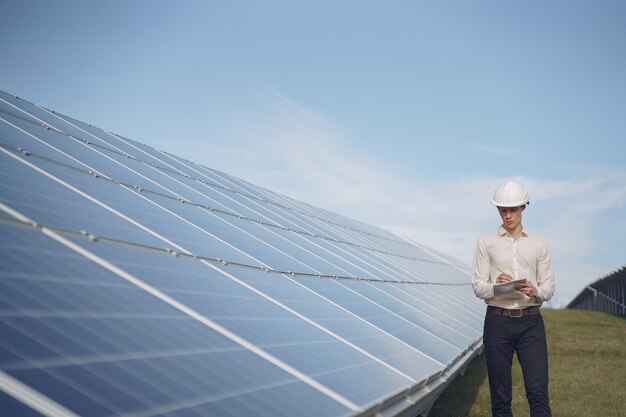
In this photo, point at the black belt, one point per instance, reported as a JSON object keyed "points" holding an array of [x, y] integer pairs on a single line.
{"points": [[513, 312]]}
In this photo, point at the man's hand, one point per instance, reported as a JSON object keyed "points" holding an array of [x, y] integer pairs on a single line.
{"points": [[527, 288], [503, 277]]}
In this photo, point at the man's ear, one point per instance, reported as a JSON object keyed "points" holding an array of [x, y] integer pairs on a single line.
{"points": [[524, 207]]}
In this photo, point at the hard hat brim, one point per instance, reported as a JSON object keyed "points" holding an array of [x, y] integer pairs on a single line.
{"points": [[521, 203]]}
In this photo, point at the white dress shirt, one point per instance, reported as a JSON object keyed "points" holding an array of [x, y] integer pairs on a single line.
{"points": [[526, 256]]}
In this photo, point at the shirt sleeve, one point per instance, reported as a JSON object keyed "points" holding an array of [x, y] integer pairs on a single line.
{"points": [[480, 272], [545, 274]]}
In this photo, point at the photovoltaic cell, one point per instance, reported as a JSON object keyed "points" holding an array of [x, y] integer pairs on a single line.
{"points": [[136, 283]]}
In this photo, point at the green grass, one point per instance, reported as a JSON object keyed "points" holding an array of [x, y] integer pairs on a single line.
{"points": [[587, 359]]}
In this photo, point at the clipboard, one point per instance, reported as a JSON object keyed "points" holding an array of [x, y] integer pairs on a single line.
{"points": [[505, 287]]}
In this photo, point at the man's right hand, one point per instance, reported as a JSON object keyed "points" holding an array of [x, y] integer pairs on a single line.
{"points": [[503, 277]]}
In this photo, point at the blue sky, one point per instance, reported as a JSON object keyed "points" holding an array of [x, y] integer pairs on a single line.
{"points": [[403, 114]]}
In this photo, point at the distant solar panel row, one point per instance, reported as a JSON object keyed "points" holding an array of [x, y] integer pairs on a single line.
{"points": [[137, 283]]}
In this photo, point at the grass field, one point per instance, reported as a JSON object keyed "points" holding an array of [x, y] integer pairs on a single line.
{"points": [[587, 359]]}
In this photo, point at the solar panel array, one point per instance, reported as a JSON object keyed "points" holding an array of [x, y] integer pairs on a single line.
{"points": [[137, 283]]}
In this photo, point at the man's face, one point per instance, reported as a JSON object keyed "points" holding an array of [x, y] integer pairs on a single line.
{"points": [[511, 217]]}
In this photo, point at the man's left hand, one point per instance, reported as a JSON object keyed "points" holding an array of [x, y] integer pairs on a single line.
{"points": [[527, 288]]}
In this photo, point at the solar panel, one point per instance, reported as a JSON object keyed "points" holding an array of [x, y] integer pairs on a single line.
{"points": [[138, 283]]}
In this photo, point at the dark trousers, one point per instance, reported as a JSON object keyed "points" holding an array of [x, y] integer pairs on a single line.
{"points": [[525, 335]]}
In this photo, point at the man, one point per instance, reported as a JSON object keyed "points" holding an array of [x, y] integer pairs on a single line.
{"points": [[513, 322]]}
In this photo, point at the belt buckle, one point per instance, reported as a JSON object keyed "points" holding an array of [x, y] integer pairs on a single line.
{"points": [[511, 311]]}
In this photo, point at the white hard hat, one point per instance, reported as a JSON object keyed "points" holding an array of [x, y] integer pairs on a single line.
{"points": [[510, 194]]}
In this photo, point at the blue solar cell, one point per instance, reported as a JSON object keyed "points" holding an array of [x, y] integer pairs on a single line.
{"points": [[14, 407], [62, 391]]}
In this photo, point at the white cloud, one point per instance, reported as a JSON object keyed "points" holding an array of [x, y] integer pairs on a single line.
{"points": [[296, 152]]}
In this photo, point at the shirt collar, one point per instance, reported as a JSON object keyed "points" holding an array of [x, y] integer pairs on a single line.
{"points": [[502, 232]]}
